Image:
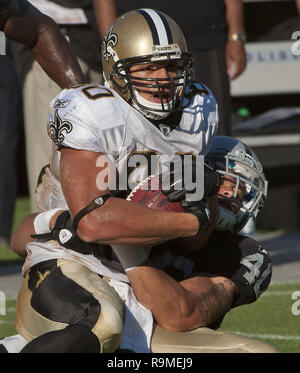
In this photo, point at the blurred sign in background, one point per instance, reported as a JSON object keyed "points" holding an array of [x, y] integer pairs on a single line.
{"points": [[266, 105], [2, 44]]}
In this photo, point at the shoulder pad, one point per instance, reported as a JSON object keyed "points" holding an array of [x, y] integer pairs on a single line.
{"points": [[87, 117]]}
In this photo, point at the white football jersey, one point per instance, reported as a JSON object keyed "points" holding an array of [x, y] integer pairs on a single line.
{"points": [[97, 119]]}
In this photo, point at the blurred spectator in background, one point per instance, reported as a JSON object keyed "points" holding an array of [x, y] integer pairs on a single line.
{"points": [[11, 116], [105, 13], [214, 31], [21, 22], [78, 24]]}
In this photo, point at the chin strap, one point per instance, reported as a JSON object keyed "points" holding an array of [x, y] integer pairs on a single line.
{"points": [[147, 106]]}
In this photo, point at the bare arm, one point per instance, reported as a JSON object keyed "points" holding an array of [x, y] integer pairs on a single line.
{"points": [[50, 48], [192, 303], [118, 221], [195, 302], [235, 51], [22, 234], [105, 13]]}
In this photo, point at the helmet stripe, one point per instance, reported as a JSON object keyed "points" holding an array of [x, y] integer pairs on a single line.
{"points": [[167, 28], [157, 24]]}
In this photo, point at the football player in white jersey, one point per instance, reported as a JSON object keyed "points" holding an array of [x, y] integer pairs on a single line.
{"points": [[148, 74], [150, 105], [174, 273]]}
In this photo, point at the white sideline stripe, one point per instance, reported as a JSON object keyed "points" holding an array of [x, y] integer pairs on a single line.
{"points": [[270, 336], [278, 292], [290, 282]]}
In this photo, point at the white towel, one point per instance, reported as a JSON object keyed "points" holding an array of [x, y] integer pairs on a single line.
{"points": [[138, 324]]}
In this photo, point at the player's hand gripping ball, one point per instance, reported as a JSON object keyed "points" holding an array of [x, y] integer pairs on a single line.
{"points": [[149, 193]]}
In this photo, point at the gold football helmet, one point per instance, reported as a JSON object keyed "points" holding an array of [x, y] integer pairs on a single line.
{"points": [[146, 36]]}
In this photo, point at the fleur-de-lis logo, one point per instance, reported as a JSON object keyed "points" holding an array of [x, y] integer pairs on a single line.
{"points": [[110, 40], [57, 127]]}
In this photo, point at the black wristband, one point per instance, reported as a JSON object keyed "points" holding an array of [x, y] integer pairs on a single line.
{"points": [[97, 202], [197, 209], [203, 223], [64, 222]]}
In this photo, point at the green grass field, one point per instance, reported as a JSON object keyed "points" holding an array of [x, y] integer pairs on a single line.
{"points": [[22, 209], [269, 319]]}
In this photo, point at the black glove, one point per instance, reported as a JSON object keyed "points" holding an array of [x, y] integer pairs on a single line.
{"points": [[197, 209], [64, 233], [177, 176]]}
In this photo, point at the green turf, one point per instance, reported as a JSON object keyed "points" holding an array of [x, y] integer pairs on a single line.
{"points": [[270, 318], [7, 320], [22, 209]]}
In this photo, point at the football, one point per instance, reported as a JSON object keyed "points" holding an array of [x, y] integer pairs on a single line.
{"points": [[148, 193]]}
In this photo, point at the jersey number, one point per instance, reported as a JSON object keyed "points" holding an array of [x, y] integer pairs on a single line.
{"points": [[253, 263]]}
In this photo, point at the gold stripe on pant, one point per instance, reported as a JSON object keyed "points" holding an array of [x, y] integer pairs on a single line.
{"points": [[108, 328]]}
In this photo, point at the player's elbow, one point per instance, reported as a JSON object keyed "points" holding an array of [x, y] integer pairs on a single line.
{"points": [[90, 230], [182, 318], [18, 246], [179, 324], [183, 323]]}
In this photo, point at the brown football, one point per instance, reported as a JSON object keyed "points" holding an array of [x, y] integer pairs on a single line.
{"points": [[148, 193]]}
